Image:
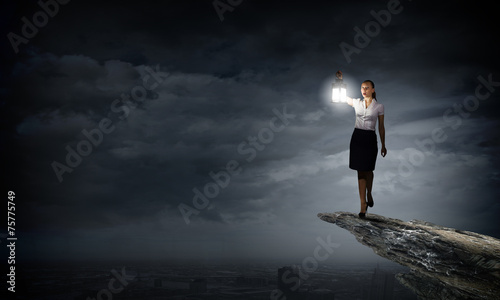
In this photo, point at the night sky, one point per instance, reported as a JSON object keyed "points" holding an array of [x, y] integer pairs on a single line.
{"points": [[173, 131]]}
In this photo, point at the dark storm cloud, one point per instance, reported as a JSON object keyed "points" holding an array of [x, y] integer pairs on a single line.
{"points": [[225, 79], [172, 141]]}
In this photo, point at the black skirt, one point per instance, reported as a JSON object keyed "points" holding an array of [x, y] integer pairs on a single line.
{"points": [[363, 150]]}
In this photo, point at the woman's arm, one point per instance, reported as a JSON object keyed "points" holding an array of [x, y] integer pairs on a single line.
{"points": [[349, 101], [381, 130]]}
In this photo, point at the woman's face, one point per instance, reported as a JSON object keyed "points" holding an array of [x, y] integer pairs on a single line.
{"points": [[367, 89]]}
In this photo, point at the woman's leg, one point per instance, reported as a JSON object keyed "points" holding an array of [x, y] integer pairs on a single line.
{"points": [[369, 184], [362, 185]]}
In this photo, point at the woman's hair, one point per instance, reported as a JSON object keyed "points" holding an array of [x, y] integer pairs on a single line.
{"points": [[374, 95]]}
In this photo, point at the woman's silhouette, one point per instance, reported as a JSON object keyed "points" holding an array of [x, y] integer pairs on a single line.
{"points": [[363, 147]]}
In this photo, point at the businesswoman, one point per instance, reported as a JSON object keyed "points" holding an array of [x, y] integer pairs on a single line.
{"points": [[363, 147]]}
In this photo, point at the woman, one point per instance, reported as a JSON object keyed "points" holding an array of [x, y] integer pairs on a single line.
{"points": [[363, 147]]}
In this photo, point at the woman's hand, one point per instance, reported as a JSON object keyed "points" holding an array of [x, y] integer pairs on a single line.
{"points": [[339, 74], [383, 152]]}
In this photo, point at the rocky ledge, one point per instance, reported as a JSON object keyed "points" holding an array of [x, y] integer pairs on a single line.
{"points": [[445, 263]]}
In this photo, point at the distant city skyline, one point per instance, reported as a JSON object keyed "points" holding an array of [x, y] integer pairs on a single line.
{"points": [[206, 282]]}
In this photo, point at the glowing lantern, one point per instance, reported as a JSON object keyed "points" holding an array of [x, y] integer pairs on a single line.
{"points": [[339, 93]]}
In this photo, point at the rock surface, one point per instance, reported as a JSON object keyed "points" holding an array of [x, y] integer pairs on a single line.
{"points": [[445, 263]]}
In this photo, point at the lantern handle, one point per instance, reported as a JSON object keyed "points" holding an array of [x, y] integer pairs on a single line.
{"points": [[339, 76]]}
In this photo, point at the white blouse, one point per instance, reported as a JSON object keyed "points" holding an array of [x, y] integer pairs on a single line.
{"points": [[366, 118]]}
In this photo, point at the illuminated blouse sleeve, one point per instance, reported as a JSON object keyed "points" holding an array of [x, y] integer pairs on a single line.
{"points": [[350, 101]]}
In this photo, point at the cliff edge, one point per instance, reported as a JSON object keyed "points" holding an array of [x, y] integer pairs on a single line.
{"points": [[445, 263]]}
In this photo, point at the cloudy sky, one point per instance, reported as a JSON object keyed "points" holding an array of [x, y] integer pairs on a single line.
{"points": [[141, 130]]}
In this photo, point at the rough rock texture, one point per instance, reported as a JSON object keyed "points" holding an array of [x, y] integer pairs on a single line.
{"points": [[445, 263]]}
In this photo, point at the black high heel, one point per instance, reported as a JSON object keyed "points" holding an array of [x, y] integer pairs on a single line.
{"points": [[370, 203], [363, 215]]}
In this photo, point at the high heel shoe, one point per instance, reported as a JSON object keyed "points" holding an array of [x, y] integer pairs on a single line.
{"points": [[363, 215], [370, 201]]}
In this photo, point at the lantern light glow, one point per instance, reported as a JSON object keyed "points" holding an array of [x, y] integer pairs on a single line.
{"points": [[339, 91]]}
